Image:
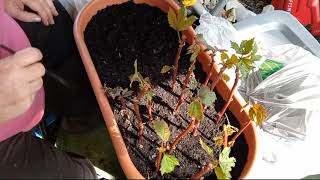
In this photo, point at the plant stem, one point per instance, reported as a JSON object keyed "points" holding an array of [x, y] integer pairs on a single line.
{"points": [[159, 157], [195, 129], [225, 138], [210, 72], [150, 104], [140, 124], [181, 135], [220, 114], [123, 106], [234, 138], [176, 64], [184, 87], [205, 170], [217, 78]]}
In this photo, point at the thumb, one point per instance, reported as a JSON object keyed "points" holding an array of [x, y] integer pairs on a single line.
{"points": [[28, 17]]}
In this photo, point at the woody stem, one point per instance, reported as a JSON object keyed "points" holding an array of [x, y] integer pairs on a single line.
{"points": [[210, 72], [140, 124], [234, 138], [205, 170], [159, 157], [181, 135], [220, 114], [176, 64], [184, 87], [217, 78]]}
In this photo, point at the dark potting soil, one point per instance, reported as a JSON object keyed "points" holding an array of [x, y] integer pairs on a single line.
{"points": [[121, 34], [255, 6]]}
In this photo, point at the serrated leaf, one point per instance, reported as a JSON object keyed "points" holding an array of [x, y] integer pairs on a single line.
{"points": [[195, 52], [195, 110], [205, 147], [235, 46], [219, 139], [188, 22], [232, 61], [168, 164], [258, 113], [207, 96], [226, 163], [162, 129], [226, 77], [247, 46], [172, 19], [166, 69], [230, 129], [220, 174], [254, 48], [224, 56]]}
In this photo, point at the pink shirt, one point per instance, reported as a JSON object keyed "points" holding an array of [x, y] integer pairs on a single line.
{"points": [[11, 35]]}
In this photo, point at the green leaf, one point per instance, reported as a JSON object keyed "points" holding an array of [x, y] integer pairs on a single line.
{"points": [[247, 46], [188, 22], [168, 164], [207, 96], [232, 61], [220, 174], [162, 129], [226, 163], [182, 14], [205, 147], [258, 113], [166, 69], [224, 56], [172, 19], [226, 77], [149, 95], [195, 110], [235, 46], [230, 129], [219, 139], [195, 52]]}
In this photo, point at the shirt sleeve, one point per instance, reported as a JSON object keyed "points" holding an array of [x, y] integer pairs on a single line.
{"points": [[1, 6]]}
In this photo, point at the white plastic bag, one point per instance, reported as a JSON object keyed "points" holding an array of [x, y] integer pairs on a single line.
{"points": [[289, 94], [217, 31]]}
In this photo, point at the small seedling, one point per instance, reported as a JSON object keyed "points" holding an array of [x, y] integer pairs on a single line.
{"points": [[194, 50], [120, 94], [145, 91], [179, 22], [196, 112], [167, 163]]}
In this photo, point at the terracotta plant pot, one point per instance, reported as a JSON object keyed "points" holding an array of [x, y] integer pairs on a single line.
{"points": [[223, 88]]}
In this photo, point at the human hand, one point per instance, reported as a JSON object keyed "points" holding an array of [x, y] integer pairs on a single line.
{"points": [[44, 8], [20, 79]]}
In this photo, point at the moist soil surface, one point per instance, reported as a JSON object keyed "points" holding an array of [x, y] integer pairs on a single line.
{"points": [[121, 34]]}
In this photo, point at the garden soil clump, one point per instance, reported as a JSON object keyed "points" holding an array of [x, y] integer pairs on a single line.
{"points": [[121, 34]]}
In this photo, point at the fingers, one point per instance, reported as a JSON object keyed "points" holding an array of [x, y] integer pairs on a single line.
{"points": [[28, 17], [44, 8], [27, 57], [35, 85], [52, 7], [34, 72]]}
